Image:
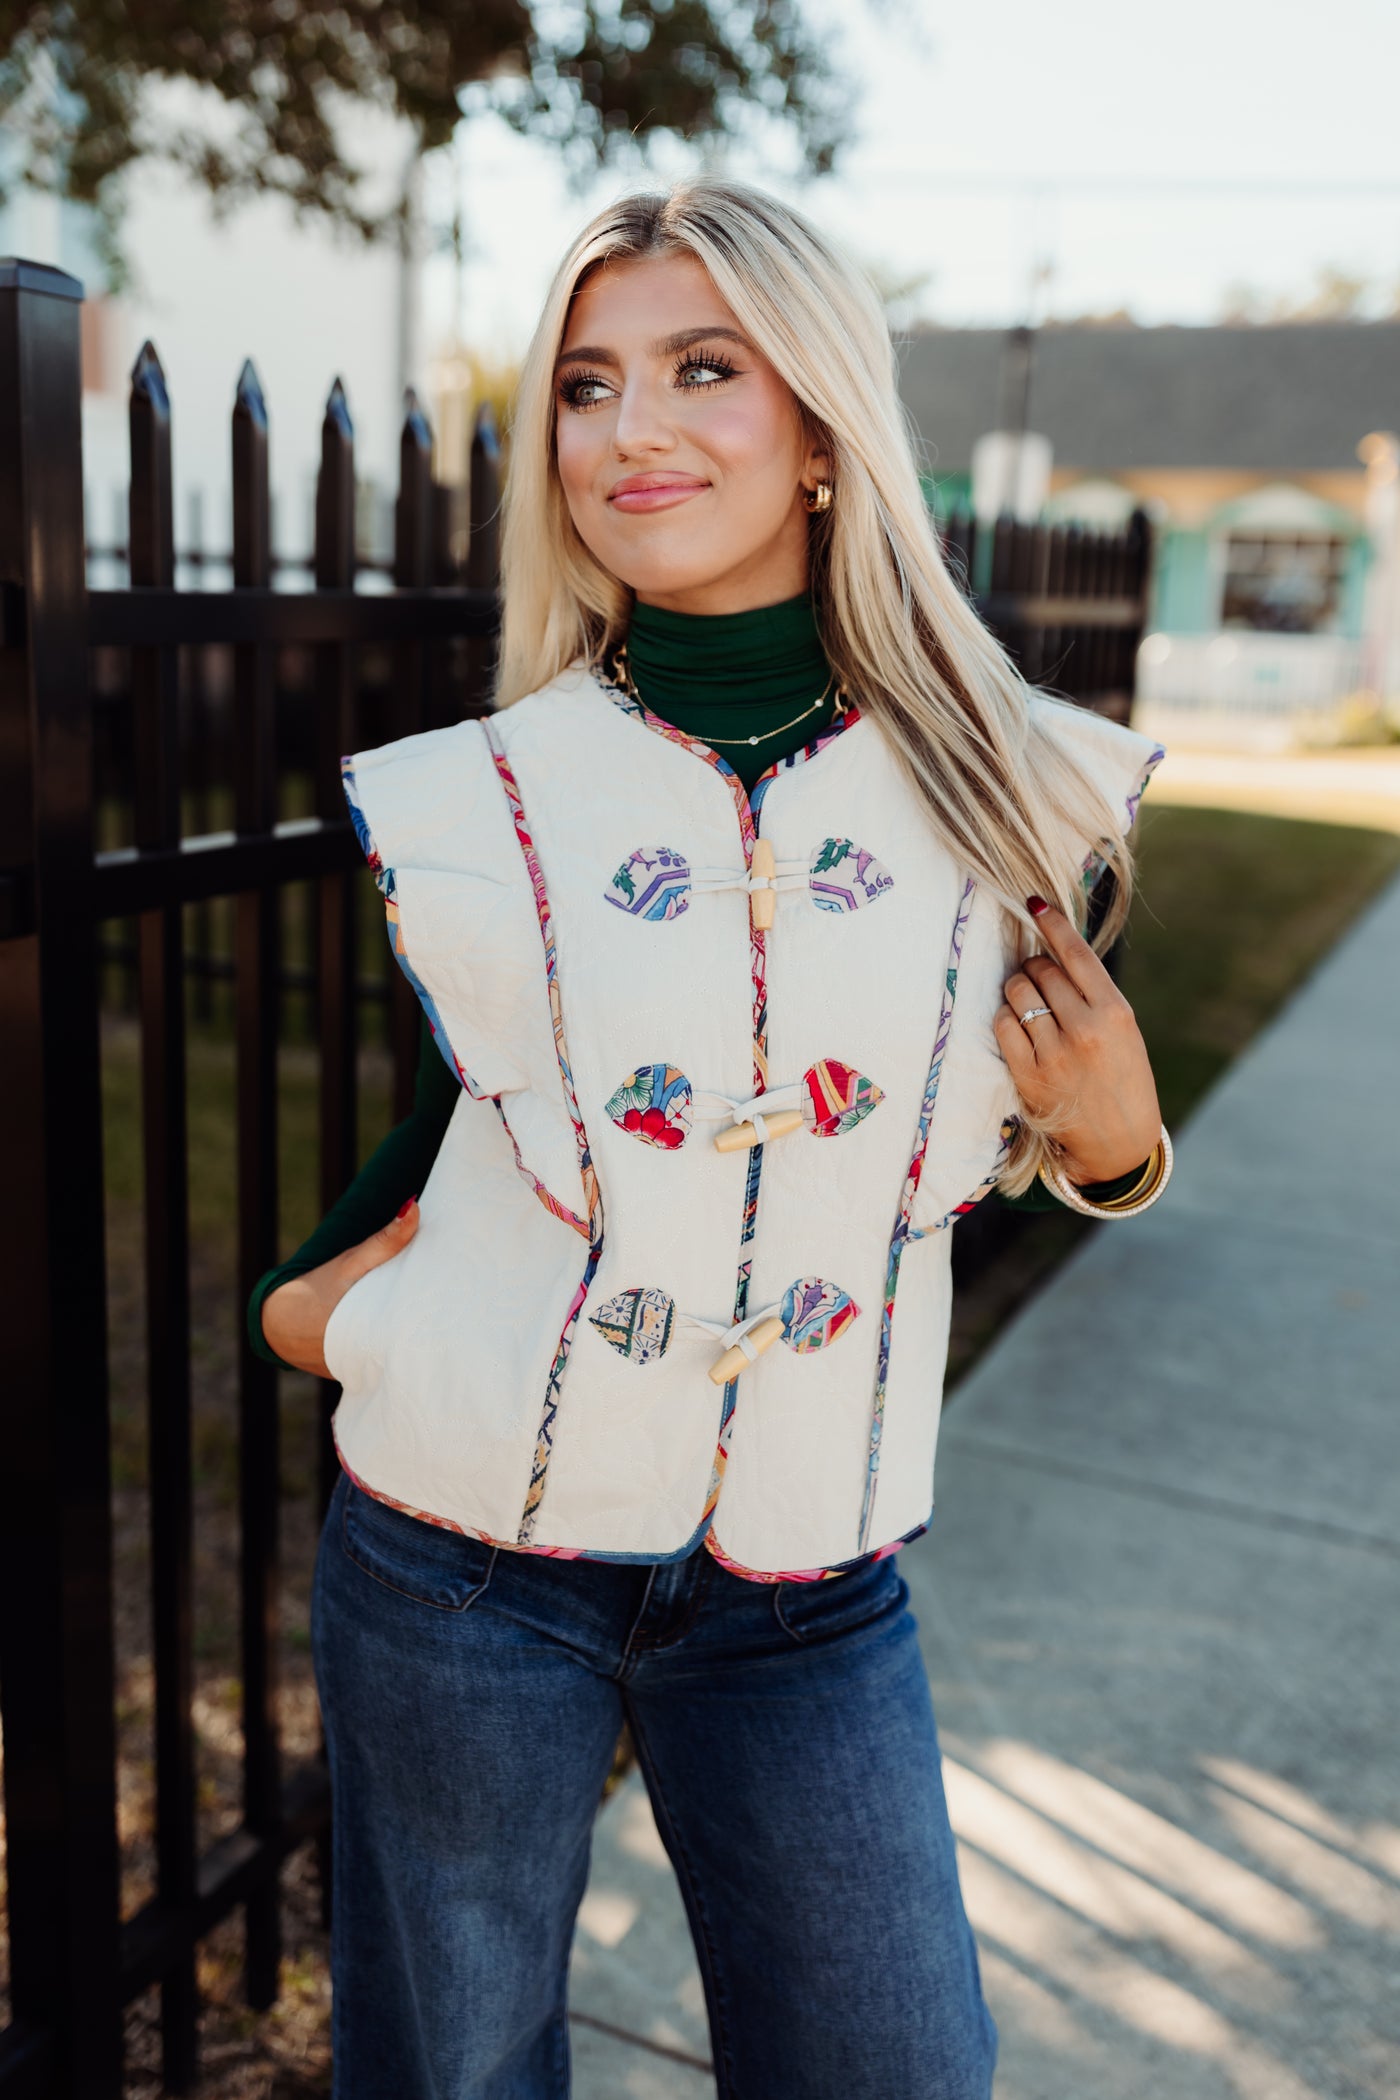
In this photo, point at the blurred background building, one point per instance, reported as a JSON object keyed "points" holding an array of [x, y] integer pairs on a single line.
{"points": [[304, 302], [1261, 454]]}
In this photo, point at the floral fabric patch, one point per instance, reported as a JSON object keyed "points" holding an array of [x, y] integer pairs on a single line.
{"points": [[638, 1324], [652, 883], [843, 876], [814, 1313], [835, 1097], [653, 1104]]}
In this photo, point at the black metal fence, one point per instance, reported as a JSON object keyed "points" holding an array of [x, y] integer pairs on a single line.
{"points": [[146, 738], [1069, 602], [95, 718]]}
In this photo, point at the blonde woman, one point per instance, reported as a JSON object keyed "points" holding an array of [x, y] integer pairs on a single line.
{"points": [[745, 930]]}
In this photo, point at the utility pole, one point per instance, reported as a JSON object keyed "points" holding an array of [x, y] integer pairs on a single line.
{"points": [[410, 276]]}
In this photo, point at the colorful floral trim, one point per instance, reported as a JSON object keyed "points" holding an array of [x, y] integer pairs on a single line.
{"points": [[1094, 862], [469, 1531], [550, 1201], [388, 888], [984, 1187], [427, 1516], [384, 878], [736, 1567], [901, 1235], [544, 1442]]}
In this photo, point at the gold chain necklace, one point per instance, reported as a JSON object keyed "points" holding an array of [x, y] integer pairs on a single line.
{"points": [[629, 686]]}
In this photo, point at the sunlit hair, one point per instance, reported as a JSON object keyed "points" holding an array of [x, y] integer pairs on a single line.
{"points": [[1001, 789]]}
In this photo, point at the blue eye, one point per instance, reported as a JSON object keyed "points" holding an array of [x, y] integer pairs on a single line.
{"points": [[694, 372], [583, 389]]}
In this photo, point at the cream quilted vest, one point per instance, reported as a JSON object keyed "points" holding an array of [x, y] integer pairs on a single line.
{"points": [[569, 889]]}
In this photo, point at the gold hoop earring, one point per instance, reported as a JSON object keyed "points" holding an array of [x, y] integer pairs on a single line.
{"points": [[821, 497]]}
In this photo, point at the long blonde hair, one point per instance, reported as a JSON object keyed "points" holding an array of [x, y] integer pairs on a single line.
{"points": [[1003, 792]]}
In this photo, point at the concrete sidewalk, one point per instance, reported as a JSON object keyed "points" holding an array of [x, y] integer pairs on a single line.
{"points": [[1160, 1603]]}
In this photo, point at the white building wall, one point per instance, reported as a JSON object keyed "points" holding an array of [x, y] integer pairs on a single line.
{"points": [[305, 303]]}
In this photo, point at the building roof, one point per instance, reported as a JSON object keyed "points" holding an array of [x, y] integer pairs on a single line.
{"points": [[1281, 400]]}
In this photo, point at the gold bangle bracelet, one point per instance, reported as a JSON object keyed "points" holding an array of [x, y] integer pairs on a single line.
{"points": [[1152, 1176], [1159, 1173], [1146, 1179]]}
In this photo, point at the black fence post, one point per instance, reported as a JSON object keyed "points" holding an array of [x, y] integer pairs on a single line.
{"points": [[337, 1035], [410, 703], [256, 965], [413, 506], [199, 951], [1137, 562], [960, 549], [160, 942], [483, 546], [56, 1660]]}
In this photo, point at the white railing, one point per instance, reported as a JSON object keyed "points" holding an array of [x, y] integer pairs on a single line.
{"points": [[1257, 689]]}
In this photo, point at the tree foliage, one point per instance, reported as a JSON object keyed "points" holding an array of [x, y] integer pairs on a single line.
{"points": [[1337, 294], [597, 78]]}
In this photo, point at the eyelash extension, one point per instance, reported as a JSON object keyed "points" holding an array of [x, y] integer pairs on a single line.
{"points": [[572, 385], [690, 359]]}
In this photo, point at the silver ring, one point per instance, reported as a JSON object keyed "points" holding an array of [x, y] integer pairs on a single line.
{"points": [[1032, 1014]]}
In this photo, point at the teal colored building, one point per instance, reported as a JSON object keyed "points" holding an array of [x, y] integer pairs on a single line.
{"points": [[1241, 444]]}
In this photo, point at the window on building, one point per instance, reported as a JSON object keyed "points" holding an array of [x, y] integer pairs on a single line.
{"points": [[1280, 585]]}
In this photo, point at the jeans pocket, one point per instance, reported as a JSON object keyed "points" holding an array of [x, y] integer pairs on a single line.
{"points": [[419, 1559], [840, 1604]]}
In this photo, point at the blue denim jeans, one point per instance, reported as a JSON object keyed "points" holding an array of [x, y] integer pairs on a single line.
{"points": [[472, 1699]]}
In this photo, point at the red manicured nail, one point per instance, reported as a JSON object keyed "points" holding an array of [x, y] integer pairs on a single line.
{"points": [[1035, 906], [404, 1208]]}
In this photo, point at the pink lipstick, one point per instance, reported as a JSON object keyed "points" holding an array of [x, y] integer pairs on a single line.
{"points": [[638, 492]]}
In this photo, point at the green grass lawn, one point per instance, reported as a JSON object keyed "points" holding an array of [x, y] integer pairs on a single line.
{"points": [[1232, 912]]}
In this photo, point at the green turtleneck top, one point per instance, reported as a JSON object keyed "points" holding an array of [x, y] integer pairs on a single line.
{"points": [[744, 683], [753, 685]]}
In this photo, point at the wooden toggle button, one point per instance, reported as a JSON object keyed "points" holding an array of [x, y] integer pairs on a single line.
{"points": [[734, 1360], [763, 903], [742, 1137]]}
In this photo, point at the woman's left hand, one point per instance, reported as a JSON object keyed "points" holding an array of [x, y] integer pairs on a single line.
{"points": [[1085, 1058]]}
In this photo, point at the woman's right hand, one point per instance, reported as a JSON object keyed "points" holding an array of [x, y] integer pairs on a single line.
{"points": [[294, 1316]]}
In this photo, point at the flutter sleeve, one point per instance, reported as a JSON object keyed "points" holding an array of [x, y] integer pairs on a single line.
{"points": [[436, 829], [1118, 761]]}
